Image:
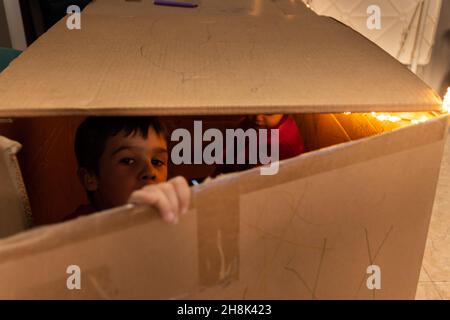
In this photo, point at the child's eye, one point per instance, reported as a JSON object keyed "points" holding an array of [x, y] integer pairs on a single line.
{"points": [[128, 161], [157, 162]]}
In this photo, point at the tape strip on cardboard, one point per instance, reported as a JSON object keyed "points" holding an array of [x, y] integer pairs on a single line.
{"points": [[218, 233]]}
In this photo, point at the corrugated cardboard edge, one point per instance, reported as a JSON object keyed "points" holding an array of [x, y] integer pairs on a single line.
{"points": [[9, 150], [206, 110]]}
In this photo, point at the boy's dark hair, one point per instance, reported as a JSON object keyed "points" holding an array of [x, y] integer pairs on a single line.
{"points": [[92, 134]]}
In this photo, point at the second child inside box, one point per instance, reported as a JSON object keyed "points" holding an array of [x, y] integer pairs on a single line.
{"points": [[290, 140]]}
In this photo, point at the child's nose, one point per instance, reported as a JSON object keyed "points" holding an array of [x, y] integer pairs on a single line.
{"points": [[148, 174], [148, 177]]}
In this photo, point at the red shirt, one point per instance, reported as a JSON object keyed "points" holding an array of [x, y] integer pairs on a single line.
{"points": [[290, 139]]}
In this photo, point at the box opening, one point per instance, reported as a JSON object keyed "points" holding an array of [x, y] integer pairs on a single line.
{"points": [[48, 162]]}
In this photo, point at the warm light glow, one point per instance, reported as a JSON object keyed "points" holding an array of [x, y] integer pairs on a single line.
{"points": [[420, 120], [446, 104], [257, 8], [307, 3], [386, 117], [404, 117], [401, 118]]}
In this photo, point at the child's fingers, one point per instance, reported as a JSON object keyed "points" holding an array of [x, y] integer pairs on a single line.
{"points": [[183, 193], [171, 198], [170, 193], [154, 196]]}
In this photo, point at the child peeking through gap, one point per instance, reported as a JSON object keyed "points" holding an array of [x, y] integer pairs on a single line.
{"points": [[124, 160], [290, 140]]}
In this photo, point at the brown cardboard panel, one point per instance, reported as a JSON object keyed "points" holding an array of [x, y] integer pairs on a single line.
{"points": [[151, 270], [222, 61], [356, 126], [331, 251], [322, 130], [310, 231], [292, 248], [15, 214], [329, 131]]}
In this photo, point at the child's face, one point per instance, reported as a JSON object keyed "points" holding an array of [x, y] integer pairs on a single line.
{"points": [[267, 121], [128, 164]]}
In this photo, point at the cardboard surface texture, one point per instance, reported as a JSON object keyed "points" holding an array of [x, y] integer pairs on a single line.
{"points": [[221, 58], [363, 196]]}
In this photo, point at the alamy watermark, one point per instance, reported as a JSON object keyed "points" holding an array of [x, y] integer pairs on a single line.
{"points": [[235, 147], [374, 20], [73, 281], [73, 21], [374, 280]]}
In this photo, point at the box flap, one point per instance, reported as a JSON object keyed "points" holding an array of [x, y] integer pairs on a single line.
{"points": [[224, 57]]}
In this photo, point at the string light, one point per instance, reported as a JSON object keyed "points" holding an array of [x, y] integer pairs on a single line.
{"points": [[386, 117], [308, 4], [420, 120], [446, 104], [412, 118]]}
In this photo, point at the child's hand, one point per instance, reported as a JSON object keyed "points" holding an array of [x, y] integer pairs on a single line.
{"points": [[170, 198]]}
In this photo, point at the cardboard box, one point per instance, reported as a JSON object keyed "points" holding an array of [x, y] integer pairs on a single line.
{"points": [[363, 196]]}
